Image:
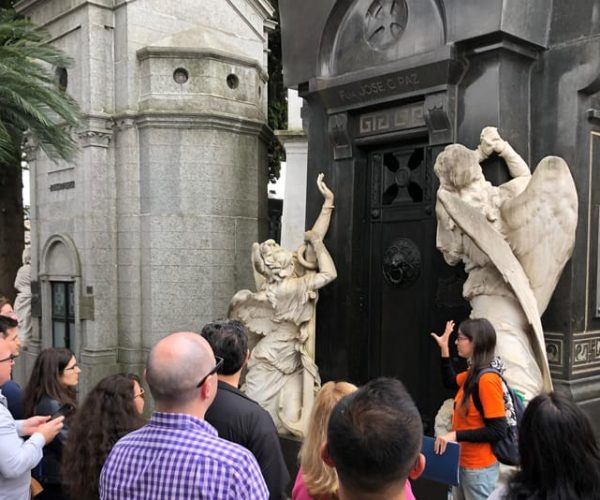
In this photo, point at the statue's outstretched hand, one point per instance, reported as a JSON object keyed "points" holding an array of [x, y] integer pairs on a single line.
{"points": [[442, 340], [325, 191]]}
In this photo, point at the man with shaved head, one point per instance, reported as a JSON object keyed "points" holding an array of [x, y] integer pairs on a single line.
{"points": [[178, 454]]}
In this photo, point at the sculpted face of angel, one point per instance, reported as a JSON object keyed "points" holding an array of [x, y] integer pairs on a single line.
{"points": [[278, 262], [457, 167]]}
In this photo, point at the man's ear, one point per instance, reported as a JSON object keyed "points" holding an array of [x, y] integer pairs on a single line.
{"points": [[418, 468], [325, 456], [246, 358], [208, 390]]}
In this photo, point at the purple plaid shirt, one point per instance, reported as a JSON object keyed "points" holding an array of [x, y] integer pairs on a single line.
{"points": [[178, 456]]}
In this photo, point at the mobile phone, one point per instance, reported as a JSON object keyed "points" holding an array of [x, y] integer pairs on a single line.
{"points": [[63, 411]]}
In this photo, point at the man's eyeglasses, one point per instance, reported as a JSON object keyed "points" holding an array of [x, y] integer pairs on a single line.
{"points": [[214, 370], [11, 358]]}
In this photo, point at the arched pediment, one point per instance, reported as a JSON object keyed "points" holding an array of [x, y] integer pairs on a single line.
{"points": [[60, 257], [367, 33]]}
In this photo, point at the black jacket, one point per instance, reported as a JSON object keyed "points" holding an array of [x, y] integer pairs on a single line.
{"points": [[48, 470], [241, 420]]}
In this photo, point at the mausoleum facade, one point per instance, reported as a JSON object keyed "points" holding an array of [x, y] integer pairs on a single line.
{"points": [[387, 85], [148, 231]]}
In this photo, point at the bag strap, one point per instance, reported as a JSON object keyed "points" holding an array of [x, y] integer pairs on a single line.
{"points": [[475, 394]]}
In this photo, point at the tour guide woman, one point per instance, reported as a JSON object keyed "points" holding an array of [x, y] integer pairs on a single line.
{"points": [[476, 342]]}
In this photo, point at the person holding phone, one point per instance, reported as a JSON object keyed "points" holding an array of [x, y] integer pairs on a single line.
{"points": [[51, 388], [479, 468], [17, 456]]}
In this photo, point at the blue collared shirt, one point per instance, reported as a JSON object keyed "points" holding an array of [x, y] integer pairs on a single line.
{"points": [[177, 456], [17, 457]]}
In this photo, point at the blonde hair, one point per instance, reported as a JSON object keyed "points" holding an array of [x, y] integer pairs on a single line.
{"points": [[318, 477]]}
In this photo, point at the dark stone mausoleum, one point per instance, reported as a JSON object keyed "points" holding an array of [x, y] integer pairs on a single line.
{"points": [[389, 83]]}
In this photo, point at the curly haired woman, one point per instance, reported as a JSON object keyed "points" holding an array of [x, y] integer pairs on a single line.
{"points": [[112, 409]]}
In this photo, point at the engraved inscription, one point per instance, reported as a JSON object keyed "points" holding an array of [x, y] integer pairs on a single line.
{"points": [[384, 86], [62, 185]]}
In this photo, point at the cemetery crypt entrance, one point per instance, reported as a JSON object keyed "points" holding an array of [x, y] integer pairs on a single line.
{"points": [[410, 291]]}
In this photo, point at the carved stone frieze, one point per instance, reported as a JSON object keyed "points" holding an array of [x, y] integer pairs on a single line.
{"points": [[340, 137]]}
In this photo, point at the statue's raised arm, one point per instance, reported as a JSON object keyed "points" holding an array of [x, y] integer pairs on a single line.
{"points": [[305, 254]]}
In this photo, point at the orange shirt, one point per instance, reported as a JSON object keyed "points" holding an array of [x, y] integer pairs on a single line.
{"points": [[478, 455]]}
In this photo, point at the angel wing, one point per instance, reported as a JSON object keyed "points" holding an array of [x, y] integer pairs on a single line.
{"points": [[540, 226], [255, 312], [475, 225]]}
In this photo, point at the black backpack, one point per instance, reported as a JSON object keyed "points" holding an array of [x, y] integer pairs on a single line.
{"points": [[507, 449]]}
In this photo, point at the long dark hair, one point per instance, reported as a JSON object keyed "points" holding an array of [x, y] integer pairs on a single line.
{"points": [[45, 380], [106, 415], [483, 336], [560, 459]]}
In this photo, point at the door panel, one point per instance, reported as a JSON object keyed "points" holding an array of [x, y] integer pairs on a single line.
{"points": [[411, 290]]}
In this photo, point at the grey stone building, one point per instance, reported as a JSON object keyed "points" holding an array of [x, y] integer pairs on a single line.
{"points": [[149, 230]]}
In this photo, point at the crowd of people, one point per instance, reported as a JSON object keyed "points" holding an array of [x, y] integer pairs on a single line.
{"points": [[206, 439]]}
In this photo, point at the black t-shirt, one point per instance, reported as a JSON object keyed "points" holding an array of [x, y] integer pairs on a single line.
{"points": [[241, 420]]}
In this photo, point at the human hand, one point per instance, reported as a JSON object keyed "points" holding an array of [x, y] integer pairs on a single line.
{"points": [[46, 427], [441, 442], [325, 191], [491, 142], [442, 340], [29, 426]]}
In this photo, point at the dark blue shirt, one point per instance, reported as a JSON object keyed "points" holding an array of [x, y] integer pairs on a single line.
{"points": [[14, 395]]}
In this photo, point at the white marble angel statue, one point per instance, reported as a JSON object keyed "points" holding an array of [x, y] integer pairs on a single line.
{"points": [[514, 240], [23, 300], [280, 316]]}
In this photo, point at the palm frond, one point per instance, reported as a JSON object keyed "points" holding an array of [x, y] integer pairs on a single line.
{"points": [[30, 99]]}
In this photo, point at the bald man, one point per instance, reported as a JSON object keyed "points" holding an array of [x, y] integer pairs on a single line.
{"points": [[178, 454]]}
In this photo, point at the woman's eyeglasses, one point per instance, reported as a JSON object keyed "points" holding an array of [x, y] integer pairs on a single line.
{"points": [[141, 394]]}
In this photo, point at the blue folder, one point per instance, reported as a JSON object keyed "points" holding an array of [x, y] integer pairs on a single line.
{"points": [[440, 468]]}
